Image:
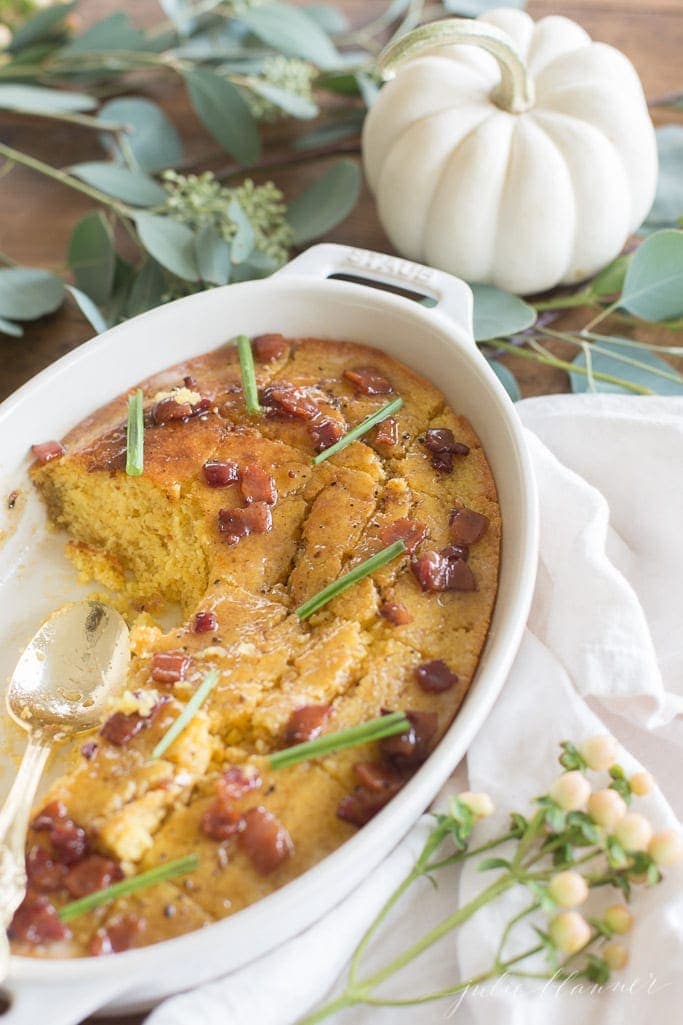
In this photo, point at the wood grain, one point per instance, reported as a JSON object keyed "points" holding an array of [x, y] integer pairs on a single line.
{"points": [[36, 216]]}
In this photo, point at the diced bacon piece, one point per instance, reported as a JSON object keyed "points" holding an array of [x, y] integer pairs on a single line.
{"points": [[47, 451], [306, 723], [368, 381], [220, 820], [36, 921], [70, 842], [204, 623], [265, 840], [220, 475], [169, 667], [378, 777], [120, 728], [361, 805], [93, 873], [289, 402], [409, 749], [169, 409], [118, 935], [386, 433], [238, 523], [467, 526], [409, 531], [440, 441], [51, 815], [89, 749], [395, 613], [443, 571], [269, 347], [42, 871], [191, 383], [435, 676], [325, 432], [257, 485], [235, 782]]}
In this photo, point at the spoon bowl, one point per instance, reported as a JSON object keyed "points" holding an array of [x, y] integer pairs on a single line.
{"points": [[66, 673]]}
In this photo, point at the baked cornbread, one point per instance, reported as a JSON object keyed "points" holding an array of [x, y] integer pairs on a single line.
{"points": [[233, 525]]}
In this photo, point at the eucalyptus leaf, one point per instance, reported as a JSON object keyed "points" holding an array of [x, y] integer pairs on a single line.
{"points": [[332, 131], [36, 99], [344, 83], [653, 288], [124, 275], [130, 186], [213, 256], [91, 257], [331, 19], [291, 31], [326, 202], [148, 289], [610, 281], [499, 314], [8, 327], [259, 265], [473, 8], [506, 378], [225, 113], [291, 103], [180, 13], [244, 238], [88, 308], [171, 243], [636, 375], [668, 203], [27, 293], [41, 26], [113, 33], [152, 139]]}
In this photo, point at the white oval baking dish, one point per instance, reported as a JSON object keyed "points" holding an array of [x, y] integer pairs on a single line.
{"points": [[300, 300]]}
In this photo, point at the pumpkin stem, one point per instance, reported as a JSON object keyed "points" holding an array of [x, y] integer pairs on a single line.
{"points": [[515, 91]]}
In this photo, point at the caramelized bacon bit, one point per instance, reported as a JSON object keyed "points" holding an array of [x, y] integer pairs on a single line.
{"points": [[89, 749], [169, 409], [409, 749], [36, 921], [467, 526], [47, 451], [410, 532], [265, 840], [235, 782], [169, 666], [288, 402], [70, 842], [204, 623], [220, 475], [220, 820], [191, 383], [238, 523], [325, 432], [441, 442], [381, 779], [267, 348], [52, 814], [395, 612], [435, 676], [42, 871], [93, 873], [257, 486], [121, 727], [446, 570], [306, 723], [386, 433], [368, 381], [120, 934], [361, 805], [203, 406]]}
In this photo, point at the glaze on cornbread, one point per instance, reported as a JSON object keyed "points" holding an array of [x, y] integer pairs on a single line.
{"points": [[231, 520]]}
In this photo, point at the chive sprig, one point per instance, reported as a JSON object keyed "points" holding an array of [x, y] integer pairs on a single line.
{"points": [[170, 869], [196, 701], [360, 429], [135, 435], [365, 732], [364, 569], [246, 357]]}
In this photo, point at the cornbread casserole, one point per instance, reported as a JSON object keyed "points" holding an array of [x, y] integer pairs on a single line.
{"points": [[232, 522]]}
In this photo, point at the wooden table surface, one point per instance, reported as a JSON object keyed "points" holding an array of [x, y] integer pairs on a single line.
{"points": [[36, 215]]}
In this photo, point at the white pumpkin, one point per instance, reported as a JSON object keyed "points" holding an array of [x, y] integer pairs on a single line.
{"points": [[523, 159]]}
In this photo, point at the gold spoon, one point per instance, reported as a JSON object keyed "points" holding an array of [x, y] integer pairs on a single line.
{"points": [[59, 689]]}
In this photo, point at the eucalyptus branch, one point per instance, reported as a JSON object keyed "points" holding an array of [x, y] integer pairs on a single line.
{"points": [[570, 368], [73, 118]]}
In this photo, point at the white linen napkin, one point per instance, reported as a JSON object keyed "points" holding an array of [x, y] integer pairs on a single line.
{"points": [[603, 649]]}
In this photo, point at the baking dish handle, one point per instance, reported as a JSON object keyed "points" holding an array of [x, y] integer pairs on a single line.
{"points": [[453, 296], [60, 1003]]}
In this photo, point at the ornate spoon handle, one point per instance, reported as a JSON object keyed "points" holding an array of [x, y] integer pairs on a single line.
{"points": [[14, 818]]}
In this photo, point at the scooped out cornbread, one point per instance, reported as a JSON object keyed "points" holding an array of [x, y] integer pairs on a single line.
{"points": [[234, 522]]}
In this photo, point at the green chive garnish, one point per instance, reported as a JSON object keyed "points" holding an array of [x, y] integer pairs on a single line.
{"points": [[360, 429], [248, 375], [196, 701], [135, 435], [178, 867], [349, 579], [363, 733]]}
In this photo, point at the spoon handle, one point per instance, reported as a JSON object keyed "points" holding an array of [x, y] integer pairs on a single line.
{"points": [[14, 818]]}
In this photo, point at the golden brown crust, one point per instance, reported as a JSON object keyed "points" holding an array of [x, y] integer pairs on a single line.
{"points": [[157, 537]]}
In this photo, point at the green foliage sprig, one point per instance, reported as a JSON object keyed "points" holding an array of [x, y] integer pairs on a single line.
{"points": [[579, 837]]}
